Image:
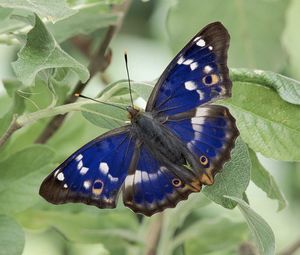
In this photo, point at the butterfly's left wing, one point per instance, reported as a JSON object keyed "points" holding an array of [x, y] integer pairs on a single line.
{"points": [[196, 76], [93, 174]]}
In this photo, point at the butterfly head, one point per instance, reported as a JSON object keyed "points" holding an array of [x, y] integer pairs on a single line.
{"points": [[133, 112]]}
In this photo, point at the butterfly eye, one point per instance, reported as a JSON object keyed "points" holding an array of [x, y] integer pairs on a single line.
{"points": [[97, 187], [203, 160], [210, 79], [176, 182]]}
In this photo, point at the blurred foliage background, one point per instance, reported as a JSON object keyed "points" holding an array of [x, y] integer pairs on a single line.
{"points": [[89, 37]]}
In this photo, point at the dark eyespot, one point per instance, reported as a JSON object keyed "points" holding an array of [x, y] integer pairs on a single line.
{"points": [[97, 187], [210, 79], [176, 182], [203, 160]]}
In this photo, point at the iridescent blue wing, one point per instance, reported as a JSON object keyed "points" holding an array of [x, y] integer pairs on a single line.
{"points": [[209, 132], [196, 76], [152, 186], [93, 174]]}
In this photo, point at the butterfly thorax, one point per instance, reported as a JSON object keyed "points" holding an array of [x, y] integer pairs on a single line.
{"points": [[151, 132]]}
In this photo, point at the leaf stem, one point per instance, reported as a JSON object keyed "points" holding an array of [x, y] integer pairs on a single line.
{"points": [[153, 236], [14, 126]]}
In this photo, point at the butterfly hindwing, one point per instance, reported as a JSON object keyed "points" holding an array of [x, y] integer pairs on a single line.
{"points": [[152, 186], [197, 75], [210, 133], [94, 173]]}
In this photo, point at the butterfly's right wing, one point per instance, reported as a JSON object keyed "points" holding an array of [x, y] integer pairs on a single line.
{"points": [[152, 186]]}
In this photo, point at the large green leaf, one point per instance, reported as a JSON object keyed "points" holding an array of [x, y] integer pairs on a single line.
{"points": [[252, 44], [12, 238], [287, 88], [267, 124], [43, 52], [264, 180], [234, 178], [21, 175], [104, 116], [260, 229], [54, 10], [88, 19]]}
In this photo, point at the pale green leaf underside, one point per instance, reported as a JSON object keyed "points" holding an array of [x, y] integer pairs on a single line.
{"points": [[53, 10], [287, 88], [12, 238], [260, 229], [87, 20], [233, 179], [42, 52], [264, 180], [266, 123]]}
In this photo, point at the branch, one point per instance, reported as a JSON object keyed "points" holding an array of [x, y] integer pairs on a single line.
{"points": [[152, 239], [99, 62], [14, 126], [292, 249]]}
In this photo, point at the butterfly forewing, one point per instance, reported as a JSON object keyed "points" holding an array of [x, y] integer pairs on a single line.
{"points": [[94, 173], [196, 76]]}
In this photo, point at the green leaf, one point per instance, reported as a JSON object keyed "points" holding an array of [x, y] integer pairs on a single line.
{"points": [[43, 52], [12, 238], [264, 180], [266, 123], [88, 19], [244, 20], [234, 179], [104, 116], [53, 10], [21, 175], [83, 249], [287, 88], [207, 236], [260, 229]]}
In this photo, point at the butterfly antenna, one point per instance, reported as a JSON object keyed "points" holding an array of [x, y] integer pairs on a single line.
{"points": [[98, 101], [126, 64]]}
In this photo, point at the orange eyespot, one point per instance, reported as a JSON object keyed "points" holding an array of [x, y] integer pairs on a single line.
{"points": [[210, 79], [203, 160], [97, 187], [176, 182]]}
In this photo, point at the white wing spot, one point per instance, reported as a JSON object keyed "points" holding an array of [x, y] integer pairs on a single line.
{"points": [[193, 66], [86, 184], [65, 186], [201, 94], [196, 39], [112, 179], [103, 167], [56, 172], [210, 47], [190, 85], [79, 165], [83, 170], [201, 43], [188, 62], [207, 69], [60, 177], [79, 157], [180, 60]]}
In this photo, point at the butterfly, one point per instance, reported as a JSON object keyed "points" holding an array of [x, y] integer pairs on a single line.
{"points": [[168, 151]]}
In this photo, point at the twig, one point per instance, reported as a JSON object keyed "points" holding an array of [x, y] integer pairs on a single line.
{"points": [[14, 125], [99, 62], [153, 236], [292, 249]]}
